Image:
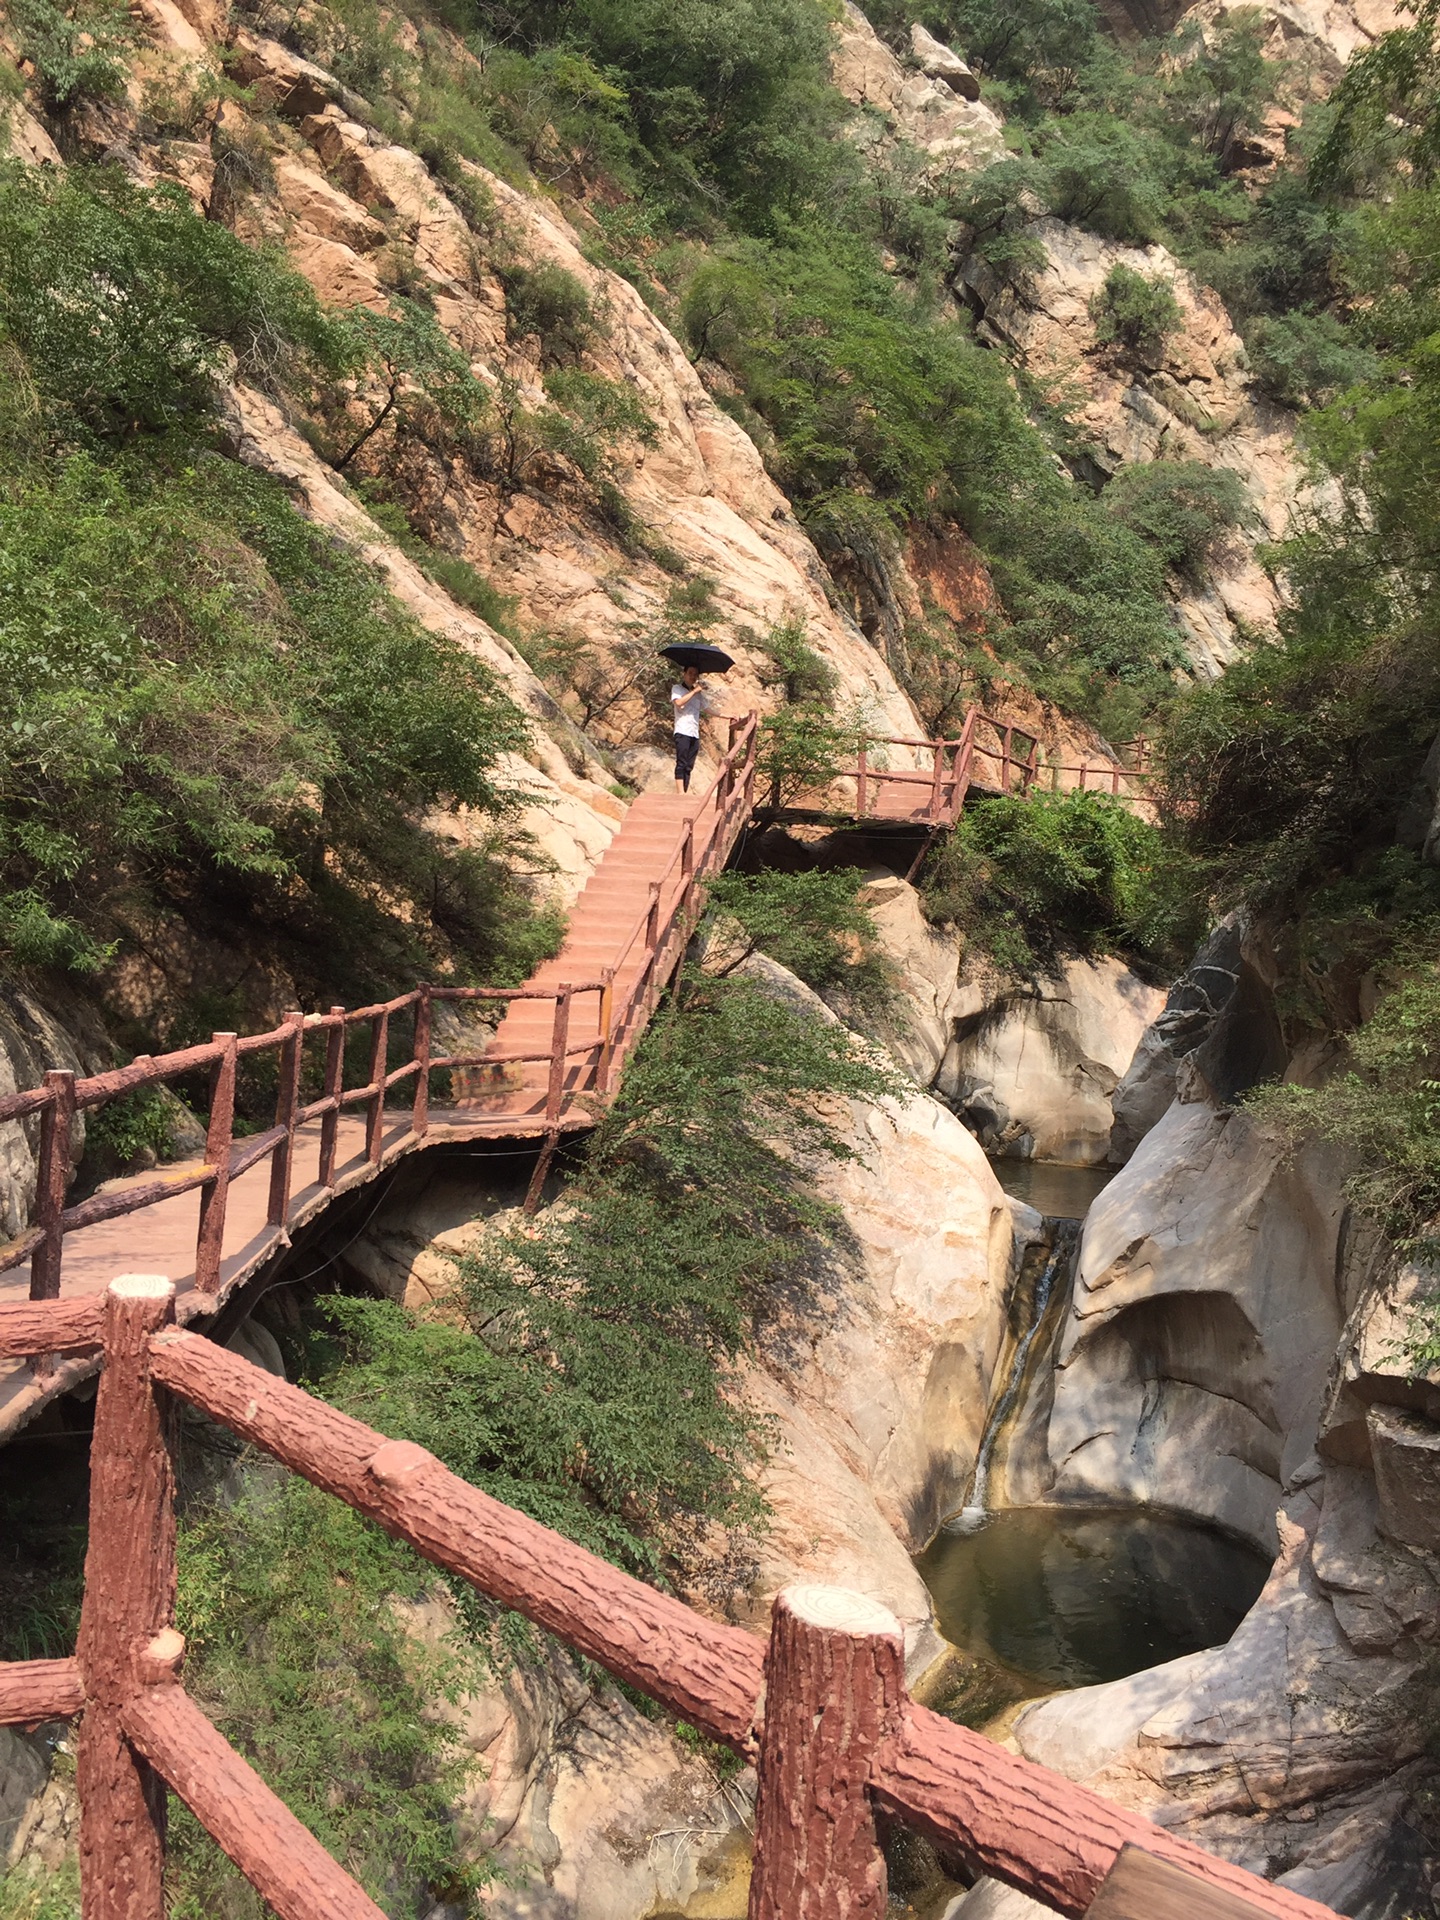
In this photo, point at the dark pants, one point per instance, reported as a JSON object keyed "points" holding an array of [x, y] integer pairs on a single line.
{"points": [[687, 745]]}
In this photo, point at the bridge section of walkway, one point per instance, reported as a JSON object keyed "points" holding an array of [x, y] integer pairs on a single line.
{"points": [[547, 1068]]}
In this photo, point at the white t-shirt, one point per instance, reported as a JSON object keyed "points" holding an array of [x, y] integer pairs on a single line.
{"points": [[689, 704]]}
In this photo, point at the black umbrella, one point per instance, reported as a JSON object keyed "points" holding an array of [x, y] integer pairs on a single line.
{"points": [[687, 653]]}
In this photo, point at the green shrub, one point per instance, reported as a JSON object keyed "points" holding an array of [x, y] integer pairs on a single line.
{"points": [[1030, 880], [297, 1651], [550, 301], [81, 51], [200, 689], [29, 1892], [1180, 507], [592, 1382], [1135, 313], [1305, 359], [813, 923], [1385, 1111], [126, 303]]}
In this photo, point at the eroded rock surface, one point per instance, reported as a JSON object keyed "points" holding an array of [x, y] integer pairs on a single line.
{"points": [[1034, 1070]]}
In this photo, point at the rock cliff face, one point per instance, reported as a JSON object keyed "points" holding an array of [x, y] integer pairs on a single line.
{"points": [[1194, 398], [1233, 1350]]}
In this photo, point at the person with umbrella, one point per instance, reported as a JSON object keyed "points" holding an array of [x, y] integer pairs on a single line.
{"points": [[689, 701]]}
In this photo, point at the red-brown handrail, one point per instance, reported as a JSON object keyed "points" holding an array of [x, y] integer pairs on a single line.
{"points": [[627, 994], [822, 1711]]}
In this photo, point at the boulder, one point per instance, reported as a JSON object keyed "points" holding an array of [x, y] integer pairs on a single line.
{"points": [[1033, 1070], [1406, 1453], [1219, 1020], [1203, 1323], [940, 62], [1285, 1750], [937, 114]]}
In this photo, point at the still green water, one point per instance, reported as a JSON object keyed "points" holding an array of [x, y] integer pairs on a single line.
{"points": [[1055, 1187], [1071, 1598]]}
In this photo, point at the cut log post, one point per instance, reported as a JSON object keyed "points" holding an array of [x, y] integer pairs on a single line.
{"points": [[861, 785], [834, 1690], [375, 1105], [333, 1088], [420, 1110], [129, 1600], [57, 1122], [287, 1105], [219, 1136]]}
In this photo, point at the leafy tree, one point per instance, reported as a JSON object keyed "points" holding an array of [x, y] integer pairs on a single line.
{"points": [[1030, 880], [1220, 85], [126, 304], [813, 923], [1179, 506], [1305, 359], [80, 50], [1132, 312], [1098, 173], [1038, 50], [550, 301]]}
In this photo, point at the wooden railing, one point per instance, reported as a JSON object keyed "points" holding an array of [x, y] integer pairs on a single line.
{"points": [[647, 954], [823, 1712], [989, 753]]}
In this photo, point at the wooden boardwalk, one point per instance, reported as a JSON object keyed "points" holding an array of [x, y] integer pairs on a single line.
{"points": [[547, 1068]]}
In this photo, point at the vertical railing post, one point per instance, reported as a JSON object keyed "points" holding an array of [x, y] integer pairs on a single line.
{"points": [[375, 1105], [652, 918], [860, 787], [1005, 740], [287, 1105], [334, 1086], [834, 1691], [687, 851], [934, 806], [607, 1040], [559, 1042], [1114, 779], [420, 1110], [57, 1126], [214, 1195], [1082, 776], [129, 1600]]}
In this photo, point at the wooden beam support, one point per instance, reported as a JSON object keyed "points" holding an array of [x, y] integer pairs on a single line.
{"points": [[36, 1690], [129, 1599], [278, 1856], [834, 1690]]}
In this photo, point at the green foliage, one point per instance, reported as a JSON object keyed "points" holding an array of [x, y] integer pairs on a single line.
{"points": [[1099, 173], [592, 1382], [298, 1652], [802, 749], [80, 51], [136, 1122], [813, 923], [426, 389], [126, 304], [1385, 1111], [1037, 48], [1135, 313], [30, 1893], [198, 684], [1180, 507], [1306, 359], [882, 412], [794, 666], [1029, 881], [549, 301]]}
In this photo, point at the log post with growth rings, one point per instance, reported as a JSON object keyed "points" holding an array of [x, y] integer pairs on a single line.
{"points": [[834, 1691], [129, 1601]]}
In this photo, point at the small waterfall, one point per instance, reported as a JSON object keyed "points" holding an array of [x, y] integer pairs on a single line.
{"points": [[1056, 1271]]}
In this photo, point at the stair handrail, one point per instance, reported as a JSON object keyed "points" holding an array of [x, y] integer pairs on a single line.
{"points": [[825, 1778]]}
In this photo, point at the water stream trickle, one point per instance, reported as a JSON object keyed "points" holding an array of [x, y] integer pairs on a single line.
{"points": [[1061, 1257]]}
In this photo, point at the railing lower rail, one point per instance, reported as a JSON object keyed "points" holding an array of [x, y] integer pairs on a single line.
{"points": [[823, 1711]]}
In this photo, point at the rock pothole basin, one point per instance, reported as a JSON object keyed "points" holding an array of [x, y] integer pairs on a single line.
{"points": [[1068, 1598]]}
